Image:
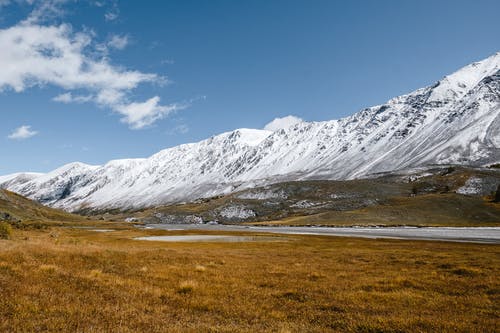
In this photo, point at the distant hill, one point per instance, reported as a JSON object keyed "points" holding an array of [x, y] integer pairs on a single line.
{"points": [[19, 210]]}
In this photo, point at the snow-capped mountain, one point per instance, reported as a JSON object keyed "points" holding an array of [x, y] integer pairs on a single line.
{"points": [[455, 121]]}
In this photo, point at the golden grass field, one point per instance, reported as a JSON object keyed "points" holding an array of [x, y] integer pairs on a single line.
{"points": [[62, 279]]}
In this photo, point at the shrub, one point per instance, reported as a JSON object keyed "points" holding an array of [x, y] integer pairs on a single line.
{"points": [[186, 287], [5, 230]]}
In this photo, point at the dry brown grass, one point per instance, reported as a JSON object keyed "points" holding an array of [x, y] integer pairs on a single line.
{"points": [[82, 281], [5, 230]]}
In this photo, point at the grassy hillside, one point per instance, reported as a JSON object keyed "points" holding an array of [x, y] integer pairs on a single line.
{"points": [[20, 211], [426, 210]]}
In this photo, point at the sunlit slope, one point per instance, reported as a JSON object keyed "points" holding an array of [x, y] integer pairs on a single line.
{"points": [[17, 209]]}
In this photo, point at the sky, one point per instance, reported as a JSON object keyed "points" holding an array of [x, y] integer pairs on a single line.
{"points": [[97, 80]]}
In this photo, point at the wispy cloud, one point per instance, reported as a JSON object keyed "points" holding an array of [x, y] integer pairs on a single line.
{"points": [[36, 54], [167, 62], [4, 3], [22, 133], [113, 13], [179, 129], [69, 98], [45, 10], [118, 42]]}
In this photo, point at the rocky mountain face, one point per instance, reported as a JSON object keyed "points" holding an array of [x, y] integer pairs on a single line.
{"points": [[432, 196], [454, 121]]}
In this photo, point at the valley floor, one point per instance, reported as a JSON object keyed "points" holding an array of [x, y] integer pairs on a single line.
{"points": [[79, 280]]}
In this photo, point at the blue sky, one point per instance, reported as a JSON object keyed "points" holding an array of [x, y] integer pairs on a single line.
{"points": [[181, 71]]}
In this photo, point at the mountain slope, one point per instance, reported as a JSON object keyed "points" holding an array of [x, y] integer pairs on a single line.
{"points": [[433, 196], [21, 211], [455, 121]]}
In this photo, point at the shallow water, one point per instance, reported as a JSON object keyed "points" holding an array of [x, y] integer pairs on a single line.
{"points": [[452, 234], [205, 238]]}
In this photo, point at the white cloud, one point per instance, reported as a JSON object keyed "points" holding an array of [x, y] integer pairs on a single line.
{"points": [[110, 97], [179, 129], [284, 122], [69, 98], [112, 14], [118, 42], [140, 115], [22, 133], [44, 10], [38, 55]]}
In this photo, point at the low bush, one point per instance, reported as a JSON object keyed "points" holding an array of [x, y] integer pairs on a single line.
{"points": [[186, 287], [5, 230]]}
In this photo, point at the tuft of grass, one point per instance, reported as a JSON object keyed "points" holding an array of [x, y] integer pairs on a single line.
{"points": [[95, 273], [186, 287], [466, 271], [292, 295], [315, 276], [5, 230], [48, 268], [200, 268]]}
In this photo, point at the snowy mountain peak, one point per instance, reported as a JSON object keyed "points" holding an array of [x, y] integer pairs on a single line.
{"points": [[74, 168], [282, 123], [459, 83], [19, 177], [246, 136], [455, 121]]}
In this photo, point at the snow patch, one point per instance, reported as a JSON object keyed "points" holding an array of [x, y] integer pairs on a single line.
{"points": [[479, 186], [304, 204], [473, 186], [282, 123], [262, 195], [175, 219], [237, 212]]}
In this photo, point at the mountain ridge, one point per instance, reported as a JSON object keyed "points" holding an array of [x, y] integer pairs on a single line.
{"points": [[454, 121]]}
